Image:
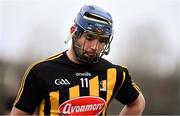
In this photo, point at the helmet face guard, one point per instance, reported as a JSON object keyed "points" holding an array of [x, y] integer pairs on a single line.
{"points": [[93, 20]]}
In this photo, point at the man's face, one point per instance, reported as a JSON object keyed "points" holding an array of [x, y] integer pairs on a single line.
{"points": [[91, 45]]}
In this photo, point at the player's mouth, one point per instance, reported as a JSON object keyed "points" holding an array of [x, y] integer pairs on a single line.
{"points": [[91, 54]]}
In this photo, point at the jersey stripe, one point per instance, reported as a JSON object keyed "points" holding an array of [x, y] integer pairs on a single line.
{"points": [[124, 76], [74, 91], [122, 82], [54, 101], [102, 94], [111, 80], [22, 83], [94, 86], [136, 87], [41, 108], [55, 56]]}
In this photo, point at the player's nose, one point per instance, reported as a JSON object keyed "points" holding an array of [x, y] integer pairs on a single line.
{"points": [[94, 44]]}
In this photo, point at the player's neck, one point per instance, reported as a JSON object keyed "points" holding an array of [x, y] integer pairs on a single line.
{"points": [[71, 55]]}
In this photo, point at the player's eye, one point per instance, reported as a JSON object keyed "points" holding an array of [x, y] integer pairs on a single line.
{"points": [[90, 37], [103, 40]]}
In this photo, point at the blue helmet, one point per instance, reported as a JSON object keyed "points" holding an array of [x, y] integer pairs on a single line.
{"points": [[94, 19]]}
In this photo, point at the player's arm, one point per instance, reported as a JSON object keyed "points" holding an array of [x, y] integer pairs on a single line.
{"points": [[135, 108], [130, 95], [16, 111]]}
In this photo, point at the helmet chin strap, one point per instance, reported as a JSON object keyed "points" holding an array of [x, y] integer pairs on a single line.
{"points": [[70, 36]]}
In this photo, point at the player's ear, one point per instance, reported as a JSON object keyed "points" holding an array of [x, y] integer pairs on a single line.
{"points": [[71, 34], [72, 29]]}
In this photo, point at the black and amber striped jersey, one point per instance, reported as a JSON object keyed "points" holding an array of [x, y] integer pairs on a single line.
{"points": [[58, 86]]}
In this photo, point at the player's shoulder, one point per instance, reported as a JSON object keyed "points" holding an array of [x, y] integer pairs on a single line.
{"points": [[44, 63], [119, 67], [123, 67], [107, 63]]}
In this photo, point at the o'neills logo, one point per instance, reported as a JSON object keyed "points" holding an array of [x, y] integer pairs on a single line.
{"points": [[83, 74], [86, 105]]}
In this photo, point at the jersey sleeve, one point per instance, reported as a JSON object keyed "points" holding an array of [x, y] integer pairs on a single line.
{"points": [[128, 91], [29, 93]]}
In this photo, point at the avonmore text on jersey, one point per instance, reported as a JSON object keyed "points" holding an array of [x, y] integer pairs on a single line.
{"points": [[69, 108]]}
